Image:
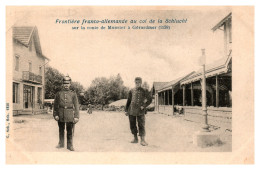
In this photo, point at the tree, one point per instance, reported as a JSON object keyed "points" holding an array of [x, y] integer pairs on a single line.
{"points": [[124, 92], [105, 90], [145, 85], [53, 83], [115, 87], [77, 87], [98, 91]]}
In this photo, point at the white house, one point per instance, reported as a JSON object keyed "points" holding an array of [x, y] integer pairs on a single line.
{"points": [[28, 70]]}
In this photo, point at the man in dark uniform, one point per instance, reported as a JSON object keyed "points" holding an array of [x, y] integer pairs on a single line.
{"points": [[138, 100], [66, 112]]}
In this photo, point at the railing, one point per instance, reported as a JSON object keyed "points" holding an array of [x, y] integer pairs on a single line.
{"points": [[31, 77]]}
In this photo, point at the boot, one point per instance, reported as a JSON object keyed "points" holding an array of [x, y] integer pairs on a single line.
{"points": [[143, 142], [70, 148], [135, 140], [61, 139], [61, 142], [70, 143], [60, 146]]}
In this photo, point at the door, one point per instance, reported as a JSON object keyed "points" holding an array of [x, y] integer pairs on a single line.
{"points": [[28, 96]]}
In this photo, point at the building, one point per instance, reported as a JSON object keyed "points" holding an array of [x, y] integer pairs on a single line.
{"points": [[28, 71], [155, 88], [218, 90], [168, 95]]}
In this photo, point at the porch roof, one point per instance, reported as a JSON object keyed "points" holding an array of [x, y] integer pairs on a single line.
{"points": [[172, 83], [158, 85], [216, 68], [222, 22]]}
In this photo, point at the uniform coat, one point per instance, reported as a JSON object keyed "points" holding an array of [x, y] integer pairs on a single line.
{"points": [[66, 106], [138, 97]]}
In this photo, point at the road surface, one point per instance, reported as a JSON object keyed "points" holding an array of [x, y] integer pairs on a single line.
{"points": [[109, 131]]}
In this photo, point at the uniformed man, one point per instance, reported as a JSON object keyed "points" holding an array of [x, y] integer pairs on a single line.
{"points": [[66, 112], [138, 100]]}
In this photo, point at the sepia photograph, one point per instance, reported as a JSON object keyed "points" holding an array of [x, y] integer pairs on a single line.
{"points": [[116, 82]]}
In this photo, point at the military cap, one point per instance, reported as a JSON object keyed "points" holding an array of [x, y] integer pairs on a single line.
{"points": [[66, 79], [138, 79]]}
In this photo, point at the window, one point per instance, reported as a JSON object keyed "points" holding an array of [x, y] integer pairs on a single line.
{"points": [[30, 66], [40, 70], [15, 92], [17, 63]]}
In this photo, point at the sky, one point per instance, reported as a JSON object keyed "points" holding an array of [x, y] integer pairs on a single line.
{"points": [[154, 55]]}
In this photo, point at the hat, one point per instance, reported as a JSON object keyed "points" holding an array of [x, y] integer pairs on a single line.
{"points": [[66, 79], [138, 79]]}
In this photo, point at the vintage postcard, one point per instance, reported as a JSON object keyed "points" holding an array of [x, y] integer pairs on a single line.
{"points": [[129, 85]]}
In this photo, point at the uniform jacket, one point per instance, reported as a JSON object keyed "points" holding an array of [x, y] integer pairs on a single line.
{"points": [[137, 97], [66, 106]]}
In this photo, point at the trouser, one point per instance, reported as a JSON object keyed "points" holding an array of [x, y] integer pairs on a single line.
{"points": [[141, 124], [69, 128]]}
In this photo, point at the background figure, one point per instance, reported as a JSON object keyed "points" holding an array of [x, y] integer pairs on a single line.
{"points": [[66, 112], [138, 100], [89, 108]]}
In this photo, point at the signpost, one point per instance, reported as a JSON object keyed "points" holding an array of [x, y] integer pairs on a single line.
{"points": [[205, 127], [204, 137]]}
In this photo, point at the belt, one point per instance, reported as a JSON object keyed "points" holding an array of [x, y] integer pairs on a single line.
{"points": [[66, 107]]}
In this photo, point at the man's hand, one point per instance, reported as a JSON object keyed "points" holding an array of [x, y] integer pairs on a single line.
{"points": [[56, 118], [76, 120], [126, 113], [142, 107]]}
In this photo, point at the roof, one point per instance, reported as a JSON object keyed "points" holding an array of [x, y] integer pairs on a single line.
{"points": [[169, 85], [158, 85], [222, 22], [25, 34], [119, 103], [218, 67]]}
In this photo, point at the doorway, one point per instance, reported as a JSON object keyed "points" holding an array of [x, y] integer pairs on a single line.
{"points": [[28, 96]]}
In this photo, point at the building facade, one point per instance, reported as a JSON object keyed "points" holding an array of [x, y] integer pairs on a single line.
{"points": [[168, 95], [28, 71], [186, 93]]}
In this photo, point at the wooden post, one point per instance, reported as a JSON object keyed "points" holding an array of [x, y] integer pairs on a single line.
{"points": [[191, 91], [164, 96], [205, 127], [168, 92], [217, 92], [159, 101], [172, 100], [225, 38], [156, 101], [160, 98], [183, 95], [212, 98]]}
